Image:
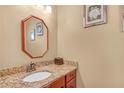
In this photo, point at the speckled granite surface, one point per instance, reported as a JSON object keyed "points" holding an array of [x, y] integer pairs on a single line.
{"points": [[14, 80]]}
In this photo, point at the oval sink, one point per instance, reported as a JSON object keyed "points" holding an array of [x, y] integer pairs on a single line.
{"points": [[37, 76]]}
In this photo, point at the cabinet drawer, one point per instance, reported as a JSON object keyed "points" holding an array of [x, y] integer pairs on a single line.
{"points": [[59, 83], [70, 76], [71, 84]]}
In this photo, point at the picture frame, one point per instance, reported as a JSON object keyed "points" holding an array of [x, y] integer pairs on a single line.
{"points": [[39, 29], [94, 15]]}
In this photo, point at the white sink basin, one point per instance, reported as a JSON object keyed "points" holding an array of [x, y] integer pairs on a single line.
{"points": [[37, 76]]}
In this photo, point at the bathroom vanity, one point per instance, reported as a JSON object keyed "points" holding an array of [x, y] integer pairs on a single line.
{"points": [[62, 76], [67, 81], [46, 74]]}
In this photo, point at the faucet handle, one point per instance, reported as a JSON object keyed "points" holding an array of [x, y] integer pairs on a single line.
{"points": [[32, 63], [31, 67]]}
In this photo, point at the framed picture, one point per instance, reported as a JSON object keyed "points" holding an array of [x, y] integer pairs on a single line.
{"points": [[39, 29], [94, 15], [32, 35]]}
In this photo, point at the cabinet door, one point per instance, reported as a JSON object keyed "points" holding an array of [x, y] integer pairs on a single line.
{"points": [[70, 76], [59, 83], [71, 84]]}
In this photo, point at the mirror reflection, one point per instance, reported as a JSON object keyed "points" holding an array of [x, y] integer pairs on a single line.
{"points": [[35, 34]]}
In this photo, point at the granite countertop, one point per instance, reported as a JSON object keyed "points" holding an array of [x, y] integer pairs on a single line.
{"points": [[15, 80]]}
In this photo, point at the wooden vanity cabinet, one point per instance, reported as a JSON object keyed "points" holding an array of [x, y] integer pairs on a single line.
{"points": [[71, 84], [59, 83], [70, 79], [67, 81]]}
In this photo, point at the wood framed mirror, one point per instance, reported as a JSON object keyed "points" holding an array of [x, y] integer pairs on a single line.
{"points": [[34, 36]]}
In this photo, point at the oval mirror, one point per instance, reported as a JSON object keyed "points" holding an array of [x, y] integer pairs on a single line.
{"points": [[34, 37]]}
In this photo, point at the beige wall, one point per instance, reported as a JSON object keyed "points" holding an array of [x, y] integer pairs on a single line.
{"points": [[10, 37], [99, 50]]}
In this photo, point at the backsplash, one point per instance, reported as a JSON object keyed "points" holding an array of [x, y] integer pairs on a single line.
{"points": [[23, 68]]}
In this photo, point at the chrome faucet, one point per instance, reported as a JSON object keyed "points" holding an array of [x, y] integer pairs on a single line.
{"points": [[31, 67]]}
